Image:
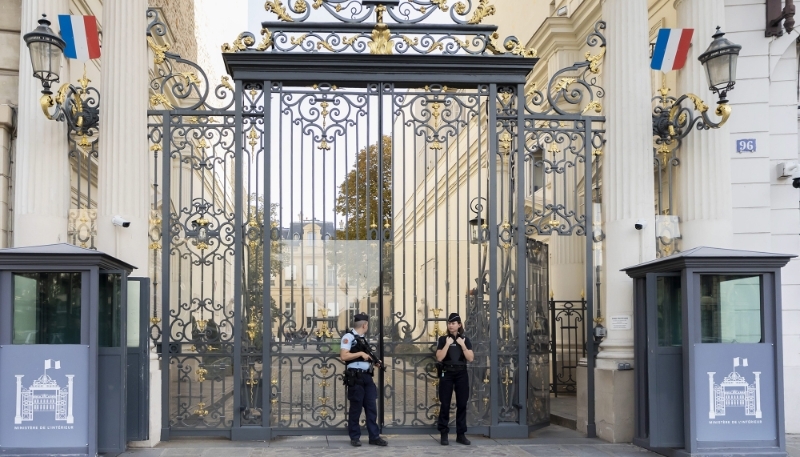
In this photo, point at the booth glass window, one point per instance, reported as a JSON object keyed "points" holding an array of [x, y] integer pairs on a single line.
{"points": [[110, 328], [47, 308], [731, 308], [670, 327]]}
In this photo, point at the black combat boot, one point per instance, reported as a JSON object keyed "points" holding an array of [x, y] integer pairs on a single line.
{"points": [[444, 440], [462, 439]]}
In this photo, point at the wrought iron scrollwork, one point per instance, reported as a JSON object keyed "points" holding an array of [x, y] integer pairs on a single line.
{"points": [[178, 82], [573, 89], [352, 31], [673, 121], [79, 107], [559, 147], [406, 12]]}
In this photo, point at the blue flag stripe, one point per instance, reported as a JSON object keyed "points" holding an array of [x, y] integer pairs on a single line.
{"points": [[661, 48], [65, 23]]}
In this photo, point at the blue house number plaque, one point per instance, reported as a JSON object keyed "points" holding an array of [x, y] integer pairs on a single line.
{"points": [[746, 145]]}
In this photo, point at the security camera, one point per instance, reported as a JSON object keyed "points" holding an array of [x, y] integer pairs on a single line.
{"points": [[118, 220], [790, 170], [640, 224]]}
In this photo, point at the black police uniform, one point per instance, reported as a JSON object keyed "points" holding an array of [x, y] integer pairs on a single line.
{"points": [[454, 377]]}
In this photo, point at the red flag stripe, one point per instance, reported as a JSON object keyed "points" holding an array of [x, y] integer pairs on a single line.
{"points": [[683, 49], [92, 37]]}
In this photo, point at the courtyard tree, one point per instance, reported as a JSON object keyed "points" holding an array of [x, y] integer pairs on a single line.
{"points": [[364, 204]]}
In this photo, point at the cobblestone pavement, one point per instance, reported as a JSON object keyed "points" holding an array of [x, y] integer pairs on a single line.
{"points": [[551, 441]]}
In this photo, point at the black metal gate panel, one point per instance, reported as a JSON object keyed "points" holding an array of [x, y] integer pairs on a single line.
{"points": [[331, 174], [567, 343]]}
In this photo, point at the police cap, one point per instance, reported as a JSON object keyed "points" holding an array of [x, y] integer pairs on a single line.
{"points": [[454, 317], [360, 317]]}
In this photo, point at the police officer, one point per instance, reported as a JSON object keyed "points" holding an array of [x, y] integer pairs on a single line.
{"points": [[361, 390], [453, 352]]}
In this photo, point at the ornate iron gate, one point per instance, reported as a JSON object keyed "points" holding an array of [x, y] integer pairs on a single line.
{"points": [[567, 343], [358, 166]]}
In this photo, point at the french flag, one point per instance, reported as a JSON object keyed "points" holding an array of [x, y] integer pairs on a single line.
{"points": [[80, 34], [672, 47]]}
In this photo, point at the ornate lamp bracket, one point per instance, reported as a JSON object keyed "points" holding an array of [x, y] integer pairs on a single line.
{"points": [[78, 106], [672, 121]]}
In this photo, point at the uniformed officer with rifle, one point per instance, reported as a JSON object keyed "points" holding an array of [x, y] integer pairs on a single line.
{"points": [[361, 391]]}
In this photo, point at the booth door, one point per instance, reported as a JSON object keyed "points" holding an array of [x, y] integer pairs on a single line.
{"points": [[138, 363], [665, 360], [111, 352]]}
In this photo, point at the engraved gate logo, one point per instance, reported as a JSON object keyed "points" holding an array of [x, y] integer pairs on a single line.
{"points": [[45, 395], [734, 392]]}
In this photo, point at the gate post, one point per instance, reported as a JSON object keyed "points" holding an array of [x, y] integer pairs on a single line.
{"points": [[166, 216], [266, 322], [521, 293]]}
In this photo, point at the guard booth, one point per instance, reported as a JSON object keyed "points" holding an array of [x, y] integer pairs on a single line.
{"points": [[63, 351], [708, 353]]}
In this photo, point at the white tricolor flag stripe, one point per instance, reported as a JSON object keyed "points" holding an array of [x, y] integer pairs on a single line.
{"points": [[81, 37], [672, 47]]}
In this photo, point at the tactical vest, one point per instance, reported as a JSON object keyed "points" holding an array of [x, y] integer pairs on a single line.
{"points": [[359, 345]]}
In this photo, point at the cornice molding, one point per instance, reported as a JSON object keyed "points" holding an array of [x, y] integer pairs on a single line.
{"points": [[563, 33]]}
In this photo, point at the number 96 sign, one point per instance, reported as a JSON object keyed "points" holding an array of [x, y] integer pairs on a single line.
{"points": [[746, 145]]}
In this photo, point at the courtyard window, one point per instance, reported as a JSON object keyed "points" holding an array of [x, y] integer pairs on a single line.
{"points": [[330, 275], [289, 275], [312, 277]]}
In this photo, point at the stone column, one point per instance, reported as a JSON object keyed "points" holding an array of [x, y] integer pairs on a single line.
{"points": [[7, 124], [704, 175], [628, 172], [567, 267], [627, 197], [124, 181], [41, 172]]}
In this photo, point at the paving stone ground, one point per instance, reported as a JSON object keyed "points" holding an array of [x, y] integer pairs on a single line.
{"points": [[793, 445], [553, 441]]}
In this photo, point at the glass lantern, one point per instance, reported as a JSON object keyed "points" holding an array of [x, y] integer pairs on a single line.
{"points": [[46, 49], [478, 232], [720, 61]]}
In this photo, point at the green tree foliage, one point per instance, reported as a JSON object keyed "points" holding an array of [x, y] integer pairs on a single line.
{"points": [[355, 250]]}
